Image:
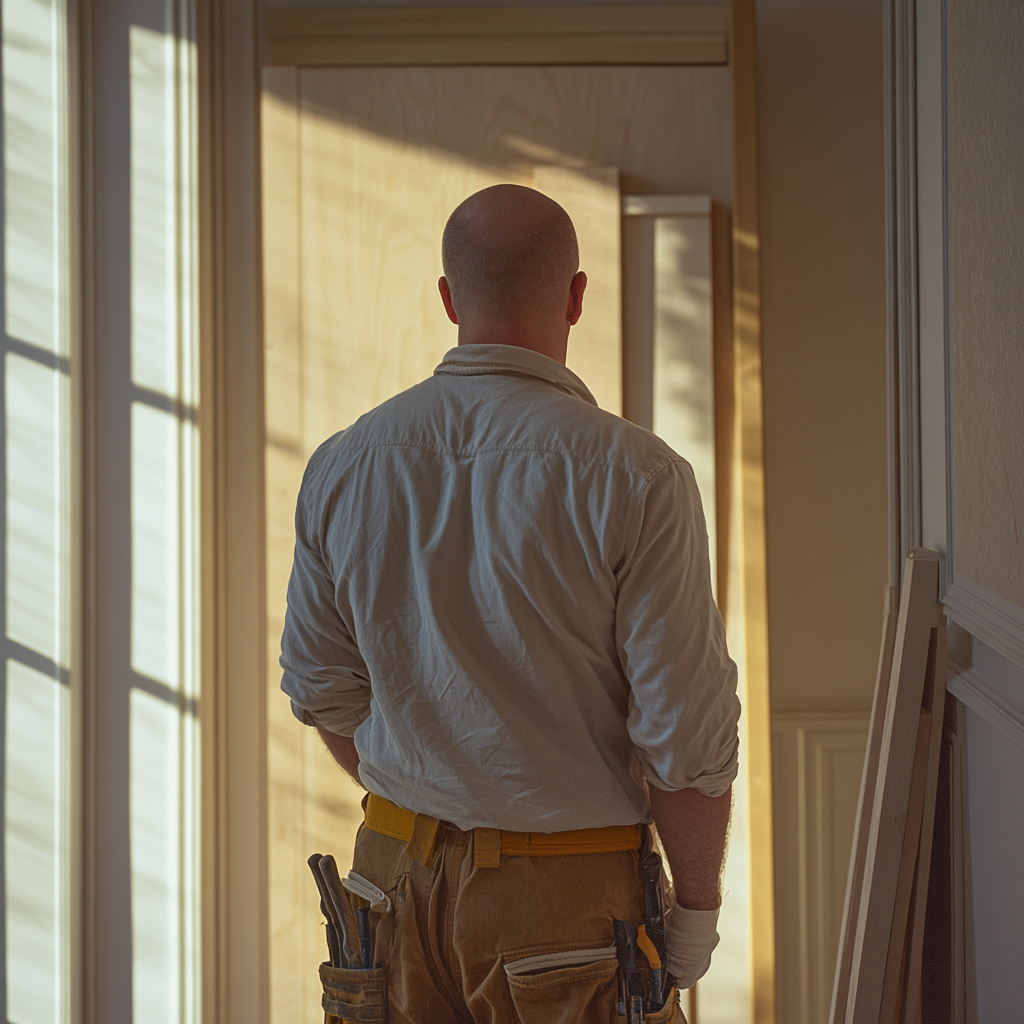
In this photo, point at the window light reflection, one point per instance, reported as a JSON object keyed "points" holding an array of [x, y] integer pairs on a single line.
{"points": [[35, 511], [164, 543]]}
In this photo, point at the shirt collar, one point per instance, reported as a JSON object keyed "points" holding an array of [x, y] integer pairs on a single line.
{"points": [[473, 360]]}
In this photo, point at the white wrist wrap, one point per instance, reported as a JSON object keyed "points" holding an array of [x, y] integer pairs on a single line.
{"points": [[690, 939]]}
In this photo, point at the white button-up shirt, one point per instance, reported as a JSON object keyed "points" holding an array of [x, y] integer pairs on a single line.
{"points": [[503, 593]]}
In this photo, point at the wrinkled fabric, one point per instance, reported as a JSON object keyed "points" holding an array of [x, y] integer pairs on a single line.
{"points": [[503, 593]]}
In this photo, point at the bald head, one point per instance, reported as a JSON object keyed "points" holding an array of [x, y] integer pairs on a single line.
{"points": [[509, 252]]}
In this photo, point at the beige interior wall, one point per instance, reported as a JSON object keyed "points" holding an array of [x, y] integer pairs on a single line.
{"points": [[822, 192], [823, 292]]}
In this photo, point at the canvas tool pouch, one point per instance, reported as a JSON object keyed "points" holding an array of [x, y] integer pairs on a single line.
{"points": [[351, 995], [670, 1013]]}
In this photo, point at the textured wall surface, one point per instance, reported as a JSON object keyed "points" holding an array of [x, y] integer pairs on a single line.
{"points": [[986, 277], [823, 292]]}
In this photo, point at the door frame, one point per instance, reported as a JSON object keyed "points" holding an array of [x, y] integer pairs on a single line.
{"points": [[234, 39]]}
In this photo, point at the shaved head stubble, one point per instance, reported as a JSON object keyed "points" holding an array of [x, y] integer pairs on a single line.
{"points": [[509, 252]]}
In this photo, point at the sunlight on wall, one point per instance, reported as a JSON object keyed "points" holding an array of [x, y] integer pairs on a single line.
{"points": [[164, 795], [35, 508], [684, 376]]}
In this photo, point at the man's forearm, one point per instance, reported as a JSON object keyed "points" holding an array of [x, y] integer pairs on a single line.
{"points": [[343, 750], [693, 829]]}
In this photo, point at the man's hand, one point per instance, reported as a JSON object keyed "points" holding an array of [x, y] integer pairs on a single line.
{"points": [[693, 829], [343, 750]]}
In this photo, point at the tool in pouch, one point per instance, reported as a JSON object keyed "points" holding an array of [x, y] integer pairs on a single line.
{"points": [[649, 939], [349, 943], [354, 987], [652, 941], [346, 916], [335, 953], [631, 998]]}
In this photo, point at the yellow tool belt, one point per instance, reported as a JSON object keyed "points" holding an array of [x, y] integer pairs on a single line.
{"points": [[420, 832]]}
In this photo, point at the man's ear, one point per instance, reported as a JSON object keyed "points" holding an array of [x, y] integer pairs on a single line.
{"points": [[576, 290], [446, 298]]}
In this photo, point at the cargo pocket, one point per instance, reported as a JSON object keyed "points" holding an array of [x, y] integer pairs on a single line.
{"points": [[567, 987], [351, 995]]}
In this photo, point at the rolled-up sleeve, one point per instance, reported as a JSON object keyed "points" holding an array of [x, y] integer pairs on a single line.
{"points": [[324, 673], [683, 706]]}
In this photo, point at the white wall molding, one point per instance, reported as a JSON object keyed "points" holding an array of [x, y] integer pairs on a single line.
{"points": [[989, 617], [1003, 711], [817, 757]]}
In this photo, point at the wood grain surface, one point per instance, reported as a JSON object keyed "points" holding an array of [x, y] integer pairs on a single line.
{"points": [[665, 128]]}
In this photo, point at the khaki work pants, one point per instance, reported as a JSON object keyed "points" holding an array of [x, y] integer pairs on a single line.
{"points": [[443, 948]]}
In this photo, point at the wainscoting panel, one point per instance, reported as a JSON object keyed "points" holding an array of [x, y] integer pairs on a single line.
{"points": [[817, 760]]}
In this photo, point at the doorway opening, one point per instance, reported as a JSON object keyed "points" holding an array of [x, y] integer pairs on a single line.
{"points": [[361, 168]]}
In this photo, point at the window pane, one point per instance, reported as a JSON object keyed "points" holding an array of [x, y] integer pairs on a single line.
{"points": [[35, 510], [163, 767]]}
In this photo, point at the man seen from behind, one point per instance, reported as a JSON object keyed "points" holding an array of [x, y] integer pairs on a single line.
{"points": [[500, 620]]}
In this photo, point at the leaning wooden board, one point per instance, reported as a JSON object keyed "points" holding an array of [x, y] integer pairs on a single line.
{"points": [[912, 880], [858, 856], [874, 940], [934, 703]]}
